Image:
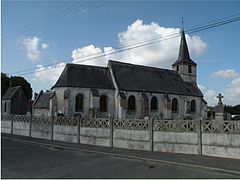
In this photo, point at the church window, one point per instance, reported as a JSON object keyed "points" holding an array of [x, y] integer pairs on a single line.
{"points": [[174, 105], [131, 103], [154, 104], [193, 106], [189, 69], [177, 68], [79, 103], [103, 103], [5, 106]]}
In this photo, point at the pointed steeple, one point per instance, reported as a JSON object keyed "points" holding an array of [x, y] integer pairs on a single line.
{"points": [[183, 56]]}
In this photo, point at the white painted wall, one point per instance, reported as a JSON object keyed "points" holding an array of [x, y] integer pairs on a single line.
{"points": [[65, 133], [89, 101], [131, 139], [221, 145], [176, 142], [95, 136]]}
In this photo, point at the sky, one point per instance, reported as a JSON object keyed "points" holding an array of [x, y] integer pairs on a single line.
{"points": [[39, 33]]}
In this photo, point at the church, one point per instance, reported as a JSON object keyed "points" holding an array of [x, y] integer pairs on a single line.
{"points": [[123, 90]]}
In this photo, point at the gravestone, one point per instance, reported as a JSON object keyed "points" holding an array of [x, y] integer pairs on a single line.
{"points": [[219, 115]]}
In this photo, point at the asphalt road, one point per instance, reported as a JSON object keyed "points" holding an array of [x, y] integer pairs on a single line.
{"points": [[31, 159]]}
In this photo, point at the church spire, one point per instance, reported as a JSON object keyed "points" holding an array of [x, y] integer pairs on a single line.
{"points": [[183, 56], [184, 65]]}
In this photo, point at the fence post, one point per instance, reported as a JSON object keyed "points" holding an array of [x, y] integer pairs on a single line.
{"points": [[111, 130], [199, 130], [30, 126], [78, 129], [151, 124], [52, 126], [12, 123]]}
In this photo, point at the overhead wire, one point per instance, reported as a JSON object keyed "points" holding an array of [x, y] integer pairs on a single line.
{"points": [[45, 26], [131, 46]]}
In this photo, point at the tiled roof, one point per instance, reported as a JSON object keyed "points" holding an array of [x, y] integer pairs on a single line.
{"points": [[43, 100], [132, 77], [10, 93], [85, 76]]}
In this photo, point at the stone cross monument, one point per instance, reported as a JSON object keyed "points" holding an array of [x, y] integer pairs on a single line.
{"points": [[219, 108]]}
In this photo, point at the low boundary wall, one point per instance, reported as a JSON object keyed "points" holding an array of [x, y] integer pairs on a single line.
{"points": [[221, 139], [211, 138], [66, 129], [176, 136], [95, 131], [41, 127], [132, 134]]}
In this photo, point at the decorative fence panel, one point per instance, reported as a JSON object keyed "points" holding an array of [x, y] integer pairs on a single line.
{"points": [[66, 129], [95, 122], [176, 125], [221, 126], [95, 131], [135, 124]]}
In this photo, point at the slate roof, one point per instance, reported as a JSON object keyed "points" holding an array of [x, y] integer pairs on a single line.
{"points": [[10, 92], [183, 55], [85, 76], [130, 77], [43, 100]]}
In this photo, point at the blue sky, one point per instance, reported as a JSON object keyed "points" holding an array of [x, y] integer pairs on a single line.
{"points": [[36, 33]]}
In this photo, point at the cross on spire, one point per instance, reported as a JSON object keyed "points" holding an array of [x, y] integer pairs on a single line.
{"points": [[220, 98], [182, 24]]}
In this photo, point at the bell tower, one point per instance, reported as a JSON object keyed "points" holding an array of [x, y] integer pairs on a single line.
{"points": [[184, 65]]}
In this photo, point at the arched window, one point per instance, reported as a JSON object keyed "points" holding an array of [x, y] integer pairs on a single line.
{"points": [[103, 103], [5, 106], [193, 106], [154, 104], [131, 103], [79, 103], [174, 105], [189, 69]]}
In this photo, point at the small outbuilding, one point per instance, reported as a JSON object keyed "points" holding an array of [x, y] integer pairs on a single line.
{"points": [[14, 101], [41, 104]]}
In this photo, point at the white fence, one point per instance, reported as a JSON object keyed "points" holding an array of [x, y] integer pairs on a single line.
{"points": [[212, 138]]}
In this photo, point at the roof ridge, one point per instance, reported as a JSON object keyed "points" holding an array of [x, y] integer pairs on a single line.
{"points": [[143, 66], [85, 65]]}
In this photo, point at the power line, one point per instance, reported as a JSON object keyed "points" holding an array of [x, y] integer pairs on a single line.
{"points": [[51, 23], [132, 46]]}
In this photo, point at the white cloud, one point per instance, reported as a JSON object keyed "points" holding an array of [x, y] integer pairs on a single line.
{"points": [[45, 46], [33, 47], [162, 54], [233, 92], [48, 74], [209, 95], [86, 55], [226, 74]]}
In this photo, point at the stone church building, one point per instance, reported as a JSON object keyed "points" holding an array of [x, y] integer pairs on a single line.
{"points": [[123, 90]]}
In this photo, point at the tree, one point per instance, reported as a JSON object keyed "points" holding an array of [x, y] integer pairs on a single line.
{"points": [[4, 83], [15, 81], [232, 109]]}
